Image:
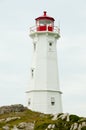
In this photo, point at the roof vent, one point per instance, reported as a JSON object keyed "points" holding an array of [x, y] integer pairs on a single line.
{"points": [[45, 13]]}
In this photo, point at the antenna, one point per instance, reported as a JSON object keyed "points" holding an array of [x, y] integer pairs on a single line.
{"points": [[59, 26]]}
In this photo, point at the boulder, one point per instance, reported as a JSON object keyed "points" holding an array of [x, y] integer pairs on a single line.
{"points": [[2, 120], [26, 126], [6, 127], [12, 119], [12, 108]]}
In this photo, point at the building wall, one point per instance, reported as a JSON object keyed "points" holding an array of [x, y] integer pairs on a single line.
{"points": [[44, 79], [45, 102], [44, 64]]}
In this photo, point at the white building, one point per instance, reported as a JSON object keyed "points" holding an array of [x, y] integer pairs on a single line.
{"points": [[44, 94]]}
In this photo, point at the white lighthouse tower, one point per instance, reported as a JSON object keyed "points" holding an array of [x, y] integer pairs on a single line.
{"points": [[44, 94]]}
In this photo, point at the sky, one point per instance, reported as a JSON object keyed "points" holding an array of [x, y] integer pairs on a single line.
{"points": [[16, 17]]}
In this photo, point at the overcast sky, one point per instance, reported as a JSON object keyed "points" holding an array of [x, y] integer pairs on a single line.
{"points": [[16, 16]]}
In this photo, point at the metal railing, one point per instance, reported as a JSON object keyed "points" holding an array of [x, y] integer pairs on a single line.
{"points": [[55, 29]]}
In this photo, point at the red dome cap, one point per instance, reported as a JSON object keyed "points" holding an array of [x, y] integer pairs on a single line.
{"points": [[45, 17]]}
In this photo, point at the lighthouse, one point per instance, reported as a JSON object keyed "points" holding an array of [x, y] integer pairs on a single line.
{"points": [[43, 94]]}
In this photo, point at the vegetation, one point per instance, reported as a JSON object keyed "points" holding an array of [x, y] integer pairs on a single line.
{"points": [[74, 118], [41, 121]]}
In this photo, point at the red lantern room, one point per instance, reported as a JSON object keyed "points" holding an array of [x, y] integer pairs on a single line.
{"points": [[44, 23]]}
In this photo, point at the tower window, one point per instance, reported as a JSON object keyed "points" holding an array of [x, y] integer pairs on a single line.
{"points": [[52, 101], [34, 46], [29, 101], [32, 72], [50, 44]]}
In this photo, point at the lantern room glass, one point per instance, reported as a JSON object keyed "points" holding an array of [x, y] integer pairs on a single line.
{"points": [[44, 25]]}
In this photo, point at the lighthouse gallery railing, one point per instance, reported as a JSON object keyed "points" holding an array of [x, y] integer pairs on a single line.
{"points": [[55, 29]]}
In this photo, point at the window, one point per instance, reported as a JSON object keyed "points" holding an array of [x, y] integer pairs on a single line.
{"points": [[34, 46], [50, 44], [32, 72], [45, 22], [29, 101], [52, 101]]}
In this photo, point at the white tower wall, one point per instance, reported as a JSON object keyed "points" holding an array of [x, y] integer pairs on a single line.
{"points": [[41, 101], [44, 94]]}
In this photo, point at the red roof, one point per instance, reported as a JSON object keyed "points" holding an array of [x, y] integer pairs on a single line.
{"points": [[45, 17]]}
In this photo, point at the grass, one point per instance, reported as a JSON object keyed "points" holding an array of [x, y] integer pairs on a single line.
{"points": [[41, 120], [25, 116]]}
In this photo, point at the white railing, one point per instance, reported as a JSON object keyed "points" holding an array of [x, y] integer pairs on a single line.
{"points": [[33, 29], [55, 29]]}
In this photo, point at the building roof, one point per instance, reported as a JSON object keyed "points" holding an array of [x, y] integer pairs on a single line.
{"points": [[44, 16]]}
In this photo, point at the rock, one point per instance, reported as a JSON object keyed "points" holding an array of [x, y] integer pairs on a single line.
{"points": [[53, 126], [22, 125], [50, 127], [2, 120], [26, 126], [83, 124], [12, 119], [74, 126], [14, 128], [82, 120], [5, 127], [65, 116], [56, 116], [79, 127], [12, 108], [71, 128], [30, 126], [68, 118]]}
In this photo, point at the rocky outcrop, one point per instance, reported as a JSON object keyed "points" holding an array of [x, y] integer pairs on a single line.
{"points": [[11, 119], [24, 125], [6, 120], [76, 123], [12, 108], [20, 126], [64, 116], [18, 117], [5, 127], [50, 127]]}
